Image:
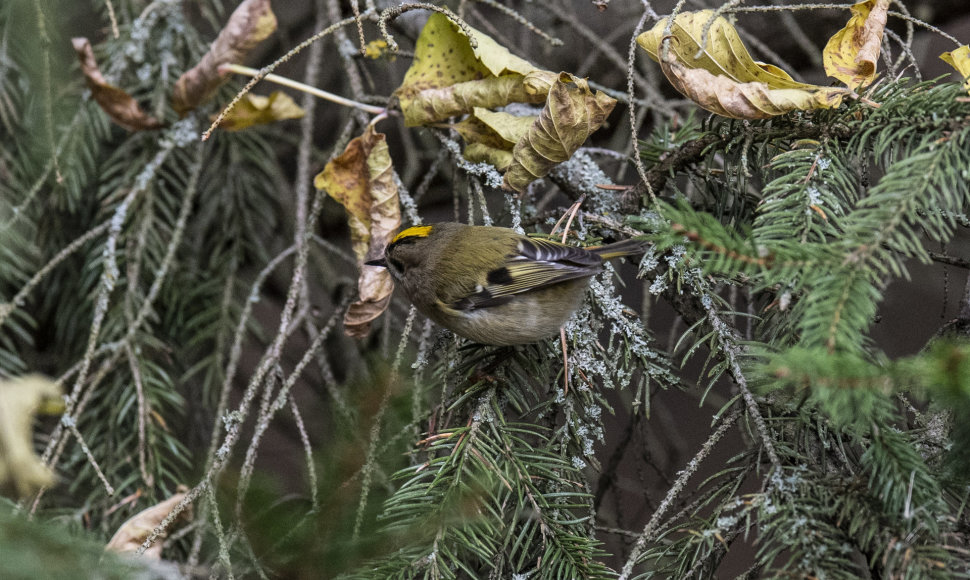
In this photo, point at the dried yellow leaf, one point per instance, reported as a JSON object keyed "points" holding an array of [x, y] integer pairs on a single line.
{"points": [[960, 60], [852, 52], [491, 136], [361, 179], [443, 55], [259, 110], [498, 157]]}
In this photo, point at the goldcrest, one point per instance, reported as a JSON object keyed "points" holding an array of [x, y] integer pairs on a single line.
{"points": [[493, 285]]}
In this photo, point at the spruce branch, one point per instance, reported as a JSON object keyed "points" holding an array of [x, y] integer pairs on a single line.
{"points": [[269, 360]]}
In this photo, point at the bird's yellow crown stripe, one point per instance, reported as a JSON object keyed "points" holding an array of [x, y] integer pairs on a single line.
{"points": [[413, 232]]}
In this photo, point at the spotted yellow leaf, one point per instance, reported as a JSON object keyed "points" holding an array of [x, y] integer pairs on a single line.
{"points": [[449, 76]]}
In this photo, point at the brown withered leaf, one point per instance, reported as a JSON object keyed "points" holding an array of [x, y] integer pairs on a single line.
{"points": [[22, 473], [571, 114], [259, 110], [960, 60], [251, 23], [753, 100], [120, 107], [361, 179], [133, 533], [851, 54]]}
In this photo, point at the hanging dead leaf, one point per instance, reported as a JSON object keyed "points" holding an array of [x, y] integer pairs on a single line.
{"points": [[852, 52], [22, 473], [724, 78], [960, 60], [361, 179], [571, 114], [374, 288], [120, 107], [259, 110], [449, 76], [133, 533], [251, 23]]}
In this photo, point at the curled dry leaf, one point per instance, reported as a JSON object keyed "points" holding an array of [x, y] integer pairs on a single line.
{"points": [[437, 104], [755, 100], [120, 107], [259, 110], [724, 78], [22, 473], [960, 60], [852, 52], [251, 23], [571, 114], [449, 76], [491, 136], [133, 533], [361, 179], [724, 54]]}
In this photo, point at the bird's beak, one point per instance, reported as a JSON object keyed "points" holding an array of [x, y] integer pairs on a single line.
{"points": [[381, 262]]}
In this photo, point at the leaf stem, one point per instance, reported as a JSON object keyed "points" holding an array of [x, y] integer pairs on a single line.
{"points": [[245, 70]]}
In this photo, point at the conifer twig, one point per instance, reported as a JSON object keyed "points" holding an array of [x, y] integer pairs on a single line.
{"points": [[650, 530]]}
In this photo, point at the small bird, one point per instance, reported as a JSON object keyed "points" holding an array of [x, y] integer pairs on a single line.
{"points": [[493, 285]]}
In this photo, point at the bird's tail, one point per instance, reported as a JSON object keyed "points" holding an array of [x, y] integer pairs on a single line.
{"points": [[631, 247]]}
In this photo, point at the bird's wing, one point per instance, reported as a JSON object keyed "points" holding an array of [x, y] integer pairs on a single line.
{"points": [[538, 263]]}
